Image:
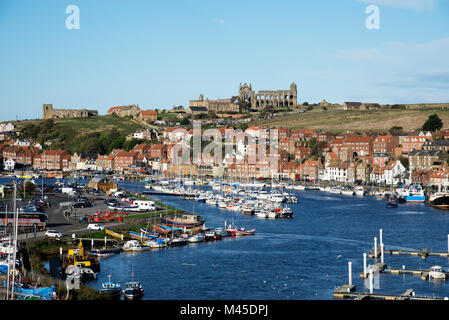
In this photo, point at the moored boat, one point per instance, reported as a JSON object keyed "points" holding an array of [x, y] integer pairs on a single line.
{"points": [[133, 290], [436, 272], [113, 289], [286, 212], [185, 220], [261, 213], [415, 194], [178, 241], [392, 203], [439, 200], [132, 245], [235, 231], [103, 253], [199, 237]]}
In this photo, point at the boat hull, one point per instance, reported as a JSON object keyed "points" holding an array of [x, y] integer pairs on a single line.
{"points": [[180, 223], [415, 199], [441, 202]]}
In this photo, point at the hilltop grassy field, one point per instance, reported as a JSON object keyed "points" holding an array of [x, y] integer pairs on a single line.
{"points": [[336, 120], [80, 134]]}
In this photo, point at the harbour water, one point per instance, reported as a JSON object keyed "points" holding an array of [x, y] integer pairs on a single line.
{"points": [[304, 258]]}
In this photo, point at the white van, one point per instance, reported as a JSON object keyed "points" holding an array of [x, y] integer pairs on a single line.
{"points": [[145, 205], [119, 194]]}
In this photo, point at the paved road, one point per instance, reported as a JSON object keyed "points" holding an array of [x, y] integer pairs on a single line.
{"points": [[58, 221]]}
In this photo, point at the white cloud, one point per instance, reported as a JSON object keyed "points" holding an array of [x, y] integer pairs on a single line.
{"points": [[418, 5]]}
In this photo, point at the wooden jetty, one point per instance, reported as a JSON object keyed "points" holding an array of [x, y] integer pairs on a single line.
{"points": [[346, 292], [424, 253], [382, 268]]}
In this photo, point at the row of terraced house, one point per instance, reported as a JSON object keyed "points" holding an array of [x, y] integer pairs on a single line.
{"points": [[346, 157]]}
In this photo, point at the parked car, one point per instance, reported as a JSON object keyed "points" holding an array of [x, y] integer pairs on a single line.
{"points": [[95, 226], [53, 234], [111, 201], [29, 208], [82, 204]]}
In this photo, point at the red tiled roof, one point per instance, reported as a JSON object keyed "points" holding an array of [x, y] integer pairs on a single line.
{"points": [[148, 113], [115, 109]]}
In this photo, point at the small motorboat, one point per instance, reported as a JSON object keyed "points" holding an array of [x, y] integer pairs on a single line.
{"points": [[392, 203], [113, 289], [132, 245], [84, 273], [287, 212], [133, 290], [210, 235], [104, 253], [199, 237], [436, 272], [273, 214], [261, 213], [178, 241], [240, 231], [154, 244], [221, 233]]}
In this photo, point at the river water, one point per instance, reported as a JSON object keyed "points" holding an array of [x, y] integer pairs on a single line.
{"points": [[304, 258]]}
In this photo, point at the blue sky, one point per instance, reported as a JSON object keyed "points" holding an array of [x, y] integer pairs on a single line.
{"points": [[162, 53]]}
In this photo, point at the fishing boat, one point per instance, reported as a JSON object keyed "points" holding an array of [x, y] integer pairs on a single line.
{"points": [[286, 212], [113, 289], [439, 200], [133, 290], [415, 194], [436, 272], [239, 231], [184, 220]]}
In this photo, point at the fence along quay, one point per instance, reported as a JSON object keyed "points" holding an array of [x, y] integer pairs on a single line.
{"points": [[347, 291]]}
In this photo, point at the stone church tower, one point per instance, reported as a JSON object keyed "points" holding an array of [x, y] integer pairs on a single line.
{"points": [[47, 111]]}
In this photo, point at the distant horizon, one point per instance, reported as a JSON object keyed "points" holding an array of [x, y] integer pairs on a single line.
{"points": [[80, 54]]}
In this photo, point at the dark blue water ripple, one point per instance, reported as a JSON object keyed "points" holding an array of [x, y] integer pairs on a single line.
{"points": [[301, 258]]}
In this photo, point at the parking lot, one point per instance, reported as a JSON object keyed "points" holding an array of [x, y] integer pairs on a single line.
{"points": [[61, 216]]}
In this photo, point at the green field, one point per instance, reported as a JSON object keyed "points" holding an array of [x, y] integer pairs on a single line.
{"points": [[337, 121], [80, 134]]}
